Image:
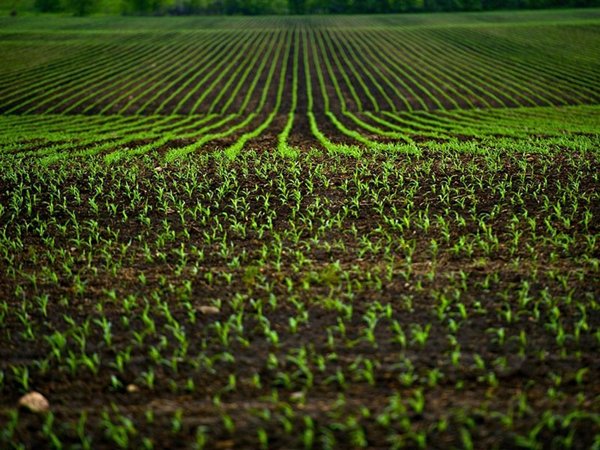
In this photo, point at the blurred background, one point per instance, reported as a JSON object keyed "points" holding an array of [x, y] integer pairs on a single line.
{"points": [[256, 7]]}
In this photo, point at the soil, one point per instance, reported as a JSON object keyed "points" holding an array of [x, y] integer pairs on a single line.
{"points": [[464, 397]]}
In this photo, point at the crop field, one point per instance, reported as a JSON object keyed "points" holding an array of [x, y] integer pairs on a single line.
{"points": [[301, 232]]}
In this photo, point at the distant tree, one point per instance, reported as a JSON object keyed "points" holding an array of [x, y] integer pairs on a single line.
{"points": [[47, 5], [397, 6], [82, 7], [217, 7], [232, 6], [145, 7], [278, 6], [255, 7], [340, 6], [467, 5], [195, 6], [266, 7], [431, 5], [297, 6]]}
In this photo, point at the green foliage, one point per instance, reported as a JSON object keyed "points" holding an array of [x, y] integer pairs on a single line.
{"points": [[48, 5], [294, 7], [82, 7], [144, 6]]}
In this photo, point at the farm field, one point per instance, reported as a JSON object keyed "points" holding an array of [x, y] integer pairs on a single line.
{"points": [[301, 232]]}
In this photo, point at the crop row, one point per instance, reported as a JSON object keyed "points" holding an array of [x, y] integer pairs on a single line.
{"points": [[53, 137], [377, 69]]}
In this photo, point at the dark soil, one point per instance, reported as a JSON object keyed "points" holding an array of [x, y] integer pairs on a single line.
{"points": [[493, 395]]}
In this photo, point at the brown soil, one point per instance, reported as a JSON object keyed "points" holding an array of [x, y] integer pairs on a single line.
{"points": [[464, 397]]}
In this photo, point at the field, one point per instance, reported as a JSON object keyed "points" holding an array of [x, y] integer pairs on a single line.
{"points": [[301, 232]]}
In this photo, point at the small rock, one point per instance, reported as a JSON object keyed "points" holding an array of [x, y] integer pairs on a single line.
{"points": [[132, 388], [158, 169], [208, 310], [34, 402]]}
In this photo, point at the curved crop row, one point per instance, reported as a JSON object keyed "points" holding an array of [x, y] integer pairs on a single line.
{"points": [[336, 83]]}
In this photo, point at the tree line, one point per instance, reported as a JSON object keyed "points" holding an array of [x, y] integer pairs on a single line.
{"points": [[256, 7]]}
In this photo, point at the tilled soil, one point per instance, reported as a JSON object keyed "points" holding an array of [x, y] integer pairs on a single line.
{"points": [[329, 322]]}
